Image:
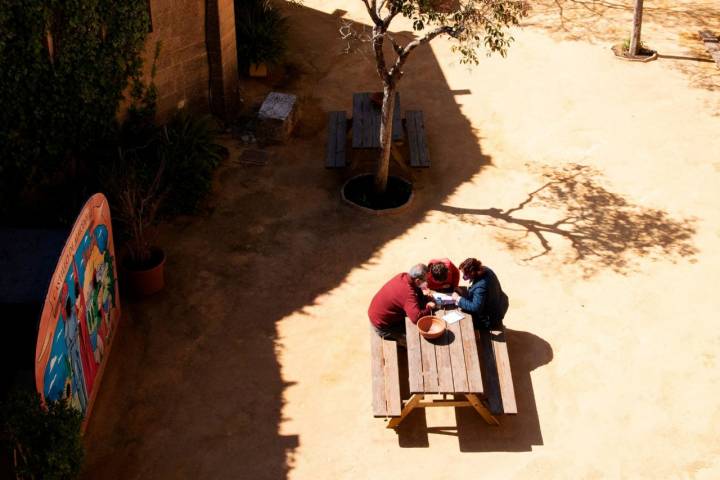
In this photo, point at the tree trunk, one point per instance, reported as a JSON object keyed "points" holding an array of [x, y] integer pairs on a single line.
{"points": [[386, 125], [637, 24]]}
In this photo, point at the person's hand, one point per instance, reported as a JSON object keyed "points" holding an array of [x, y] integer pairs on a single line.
{"points": [[430, 305], [456, 297]]}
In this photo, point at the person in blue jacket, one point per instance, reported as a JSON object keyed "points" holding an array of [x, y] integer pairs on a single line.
{"points": [[485, 299]]}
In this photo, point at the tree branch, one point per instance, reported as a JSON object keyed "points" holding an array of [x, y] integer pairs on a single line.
{"points": [[396, 46], [370, 6], [403, 56]]}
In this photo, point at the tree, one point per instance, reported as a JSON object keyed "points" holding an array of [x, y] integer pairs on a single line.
{"points": [[637, 25], [471, 23]]}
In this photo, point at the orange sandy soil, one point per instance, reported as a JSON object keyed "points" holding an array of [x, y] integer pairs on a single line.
{"points": [[588, 183]]}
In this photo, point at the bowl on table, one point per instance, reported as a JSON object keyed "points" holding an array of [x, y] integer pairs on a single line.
{"points": [[431, 326]]}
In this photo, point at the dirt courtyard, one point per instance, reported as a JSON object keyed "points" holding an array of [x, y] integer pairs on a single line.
{"points": [[589, 184]]}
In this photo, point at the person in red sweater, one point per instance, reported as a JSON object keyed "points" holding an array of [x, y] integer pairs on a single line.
{"points": [[401, 297], [444, 276]]}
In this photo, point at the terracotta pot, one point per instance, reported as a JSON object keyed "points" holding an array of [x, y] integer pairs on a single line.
{"points": [[258, 70], [146, 281]]}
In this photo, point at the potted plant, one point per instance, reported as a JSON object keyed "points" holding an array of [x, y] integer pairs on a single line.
{"points": [[138, 194], [261, 34]]}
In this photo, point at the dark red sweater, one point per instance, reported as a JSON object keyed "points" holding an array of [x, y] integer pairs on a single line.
{"points": [[452, 280], [397, 299]]}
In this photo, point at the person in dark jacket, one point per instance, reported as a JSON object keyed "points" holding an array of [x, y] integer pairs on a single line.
{"points": [[400, 297], [485, 299]]}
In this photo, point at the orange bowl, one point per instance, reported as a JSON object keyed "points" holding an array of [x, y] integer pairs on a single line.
{"points": [[431, 327]]}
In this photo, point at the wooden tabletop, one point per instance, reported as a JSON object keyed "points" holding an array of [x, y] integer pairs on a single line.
{"points": [[448, 364], [366, 121]]}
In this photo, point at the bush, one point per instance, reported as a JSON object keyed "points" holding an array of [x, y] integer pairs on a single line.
{"points": [[261, 32], [63, 69], [191, 155], [45, 440]]}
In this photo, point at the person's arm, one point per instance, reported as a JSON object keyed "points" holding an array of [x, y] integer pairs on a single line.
{"points": [[413, 310], [474, 302]]}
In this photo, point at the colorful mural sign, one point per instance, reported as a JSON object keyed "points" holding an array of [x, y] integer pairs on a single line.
{"points": [[81, 311]]}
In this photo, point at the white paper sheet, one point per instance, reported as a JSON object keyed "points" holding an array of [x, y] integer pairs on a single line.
{"points": [[454, 316]]}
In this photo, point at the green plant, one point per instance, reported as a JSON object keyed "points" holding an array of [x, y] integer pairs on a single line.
{"points": [[261, 32], [45, 439], [642, 48], [63, 69], [190, 154]]}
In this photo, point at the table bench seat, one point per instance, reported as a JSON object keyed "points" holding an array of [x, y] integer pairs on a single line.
{"points": [[337, 140], [417, 141], [386, 401], [497, 377]]}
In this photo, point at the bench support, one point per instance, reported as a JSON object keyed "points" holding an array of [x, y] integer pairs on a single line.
{"points": [[417, 401]]}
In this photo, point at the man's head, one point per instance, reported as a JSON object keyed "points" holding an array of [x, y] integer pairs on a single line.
{"points": [[471, 268], [418, 275], [439, 271]]}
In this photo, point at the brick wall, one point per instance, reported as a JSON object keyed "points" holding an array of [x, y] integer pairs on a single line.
{"points": [[187, 56]]}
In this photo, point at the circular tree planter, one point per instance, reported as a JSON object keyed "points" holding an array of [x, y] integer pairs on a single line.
{"points": [[359, 192], [644, 54], [143, 280]]}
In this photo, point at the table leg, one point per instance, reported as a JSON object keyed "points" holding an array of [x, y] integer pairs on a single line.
{"points": [[481, 409], [409, 407]]}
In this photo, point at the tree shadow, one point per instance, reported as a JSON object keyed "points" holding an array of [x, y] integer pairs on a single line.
{"points": [[603, 229], [516, 433]]}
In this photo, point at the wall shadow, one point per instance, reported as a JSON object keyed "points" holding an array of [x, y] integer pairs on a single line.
{"points": [[516, 433]]}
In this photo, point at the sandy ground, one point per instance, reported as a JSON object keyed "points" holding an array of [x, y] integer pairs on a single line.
{"points": [[590, 186]]}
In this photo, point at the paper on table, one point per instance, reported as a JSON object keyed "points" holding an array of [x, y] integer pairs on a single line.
{"points": [[454, 316], [443, 299]]}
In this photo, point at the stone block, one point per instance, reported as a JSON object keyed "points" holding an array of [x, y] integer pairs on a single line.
{"points": [[277, 117]]}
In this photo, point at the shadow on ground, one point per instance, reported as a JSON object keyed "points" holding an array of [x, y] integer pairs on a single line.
{"points": [[194, 388]]}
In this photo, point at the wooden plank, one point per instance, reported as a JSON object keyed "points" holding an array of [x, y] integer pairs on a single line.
{"points": [[337, 131], [392, 377], [415, 378], [357, 133], [369, 137], [410, 124], [409, 407], [490, 374], [444, 368], [477, 405], [397, 134], [422, 142], [429, 367], [379, 402], [457, 360], [472, 361], [502, 361]]}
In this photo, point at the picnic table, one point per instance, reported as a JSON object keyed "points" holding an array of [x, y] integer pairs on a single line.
{"points": [[475, 375], [365, 131]]}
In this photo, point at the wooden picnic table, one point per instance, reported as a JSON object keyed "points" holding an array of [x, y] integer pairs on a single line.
{"points": [[448, 365], [366, 120]]}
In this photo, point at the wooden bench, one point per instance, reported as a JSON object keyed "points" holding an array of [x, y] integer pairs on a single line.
{"points": [[337, 140], [712, 44], [417, 142], [497, 377], [386, 400]]}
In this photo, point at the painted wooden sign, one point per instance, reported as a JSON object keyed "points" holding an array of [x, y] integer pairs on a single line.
{"points": [[81, 311]]}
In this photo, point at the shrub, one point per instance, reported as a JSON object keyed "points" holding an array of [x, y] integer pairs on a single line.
{"points": [[45, 439], [261, 32], [190, 155]]}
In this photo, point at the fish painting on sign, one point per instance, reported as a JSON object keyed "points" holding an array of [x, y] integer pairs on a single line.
{"points": [[81, 311]]}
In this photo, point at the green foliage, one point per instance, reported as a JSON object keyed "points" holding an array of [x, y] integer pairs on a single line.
{"points": [[261, 32], [63, 68], [46, 440], [191, 155]]}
